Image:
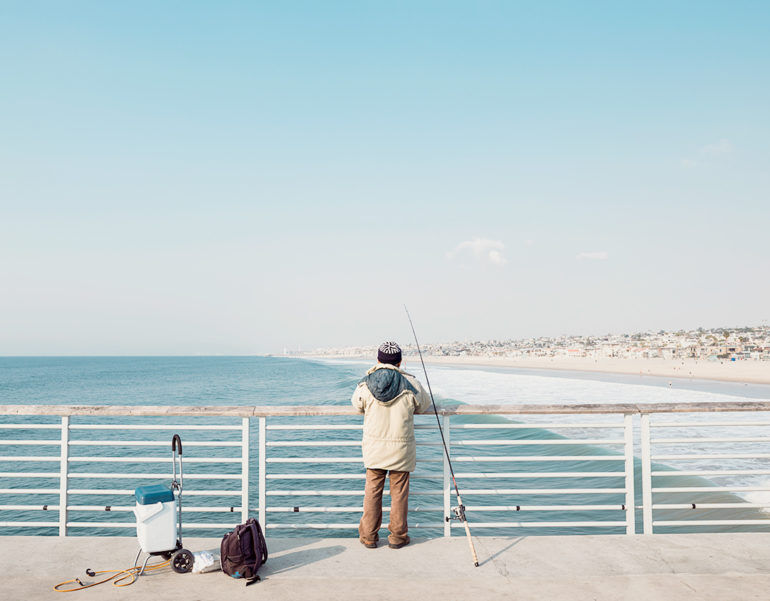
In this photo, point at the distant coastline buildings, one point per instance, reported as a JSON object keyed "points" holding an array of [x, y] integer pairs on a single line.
{"points": [[717, 344]]}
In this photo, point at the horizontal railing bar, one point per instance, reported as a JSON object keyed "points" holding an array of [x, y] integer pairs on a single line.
{"points": [[538, 524], [355, 509], [299, 443], [534, 425], [317, 476], [30, 426], [126, 508], [41, 443], [97, 475], [337, 493], [717, 456], [314, 460], [545, 508], [57, 459], [710, 505], [359, 460], [524, 426], [147, 443], [327, 427], [112, 508], [28, 524], [231, 509], [97, 459], [340, 410], [148, 427], [543, 458], [711, 522], [101, 525], [539, 474], [689, 440], [317, 509], [712, 473], [468, 475], [532, 441], [711, 489], [333, 443], [29, 491], [541, 491], [187, 493], [141, 443], [699, 424], [223, 527], [188, 526], [345, 526], [164, 410], [29, 508], [116, 508], [29, 474], [480, 491]]}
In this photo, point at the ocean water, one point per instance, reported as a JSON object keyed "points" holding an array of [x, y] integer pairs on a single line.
{"points": [[287, 381]]}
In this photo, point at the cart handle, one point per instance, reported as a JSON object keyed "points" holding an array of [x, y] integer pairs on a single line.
{"points": [[174, 441]]}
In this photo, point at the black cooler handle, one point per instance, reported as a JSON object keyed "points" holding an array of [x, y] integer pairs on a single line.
{"points": [[174, 441]]}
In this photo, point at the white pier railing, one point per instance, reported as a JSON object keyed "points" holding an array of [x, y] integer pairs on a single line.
{"points": [[548, 469], [697, 452]]}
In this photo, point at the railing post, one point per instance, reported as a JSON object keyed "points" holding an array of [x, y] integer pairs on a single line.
{"points": [[263, 472], [245, 469], [646, 474], [628, 430], [64, 474], [447, 481]]}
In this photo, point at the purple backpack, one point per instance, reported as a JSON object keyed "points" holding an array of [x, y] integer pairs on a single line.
{"points": [[243, 551]]}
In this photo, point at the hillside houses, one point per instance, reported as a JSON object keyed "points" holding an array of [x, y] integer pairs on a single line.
{"points": [[733, 344]]}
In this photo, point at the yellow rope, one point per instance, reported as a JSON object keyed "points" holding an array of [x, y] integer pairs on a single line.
{"points": [[130, 574]]}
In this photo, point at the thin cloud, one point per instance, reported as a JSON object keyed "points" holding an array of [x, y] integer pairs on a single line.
{"points": [[480, 249], [601, 255], [718, 148], [710, 151]]}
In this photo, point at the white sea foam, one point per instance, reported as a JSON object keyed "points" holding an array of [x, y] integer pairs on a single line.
{"points": [[494, 387]]}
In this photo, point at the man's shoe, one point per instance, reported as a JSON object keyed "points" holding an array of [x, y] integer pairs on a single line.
{"points": [[368, 545], [399, 545]]}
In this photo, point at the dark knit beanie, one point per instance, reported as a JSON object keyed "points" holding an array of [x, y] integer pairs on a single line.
{"points": [[389, 352]]}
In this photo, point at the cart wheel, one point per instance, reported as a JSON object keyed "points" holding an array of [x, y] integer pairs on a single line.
{"points": [[182, 561], [166, 555]]}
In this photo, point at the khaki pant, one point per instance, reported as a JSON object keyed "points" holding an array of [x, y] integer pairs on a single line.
{"points": [[399, 506]]}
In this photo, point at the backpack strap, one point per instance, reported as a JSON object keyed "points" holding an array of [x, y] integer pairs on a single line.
{"points": [[262, 541], [257, 540]]}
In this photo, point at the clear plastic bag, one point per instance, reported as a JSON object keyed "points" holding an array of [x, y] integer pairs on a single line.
{"points": [[206, 561]]}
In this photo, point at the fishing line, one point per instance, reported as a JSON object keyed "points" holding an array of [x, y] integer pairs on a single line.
{"points": [[459, 511]]}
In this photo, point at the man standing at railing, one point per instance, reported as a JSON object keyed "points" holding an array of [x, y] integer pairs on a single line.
{"points": [[388, 398]]}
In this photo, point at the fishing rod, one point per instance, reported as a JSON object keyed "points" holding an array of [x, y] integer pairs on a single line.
{"points": [[459, 511]]}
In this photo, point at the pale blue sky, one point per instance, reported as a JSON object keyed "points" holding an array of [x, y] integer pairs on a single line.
{"points": [[188, 177]]}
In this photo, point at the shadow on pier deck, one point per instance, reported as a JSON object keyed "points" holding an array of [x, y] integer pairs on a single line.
{"points": [[721, 567]]}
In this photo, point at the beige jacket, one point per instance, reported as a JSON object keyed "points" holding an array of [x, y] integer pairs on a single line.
{"points": [[389, 399]]}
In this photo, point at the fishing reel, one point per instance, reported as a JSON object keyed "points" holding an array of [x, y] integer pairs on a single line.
{"points": [[459, 514]]}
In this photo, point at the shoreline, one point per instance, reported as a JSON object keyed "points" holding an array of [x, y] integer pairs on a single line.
{"points": [[743, 372]]}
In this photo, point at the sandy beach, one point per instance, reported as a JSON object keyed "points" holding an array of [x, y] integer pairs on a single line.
{"points": [[752, 372]]}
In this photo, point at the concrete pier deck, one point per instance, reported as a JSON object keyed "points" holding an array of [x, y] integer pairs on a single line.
{"points": [[705, 567]]}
